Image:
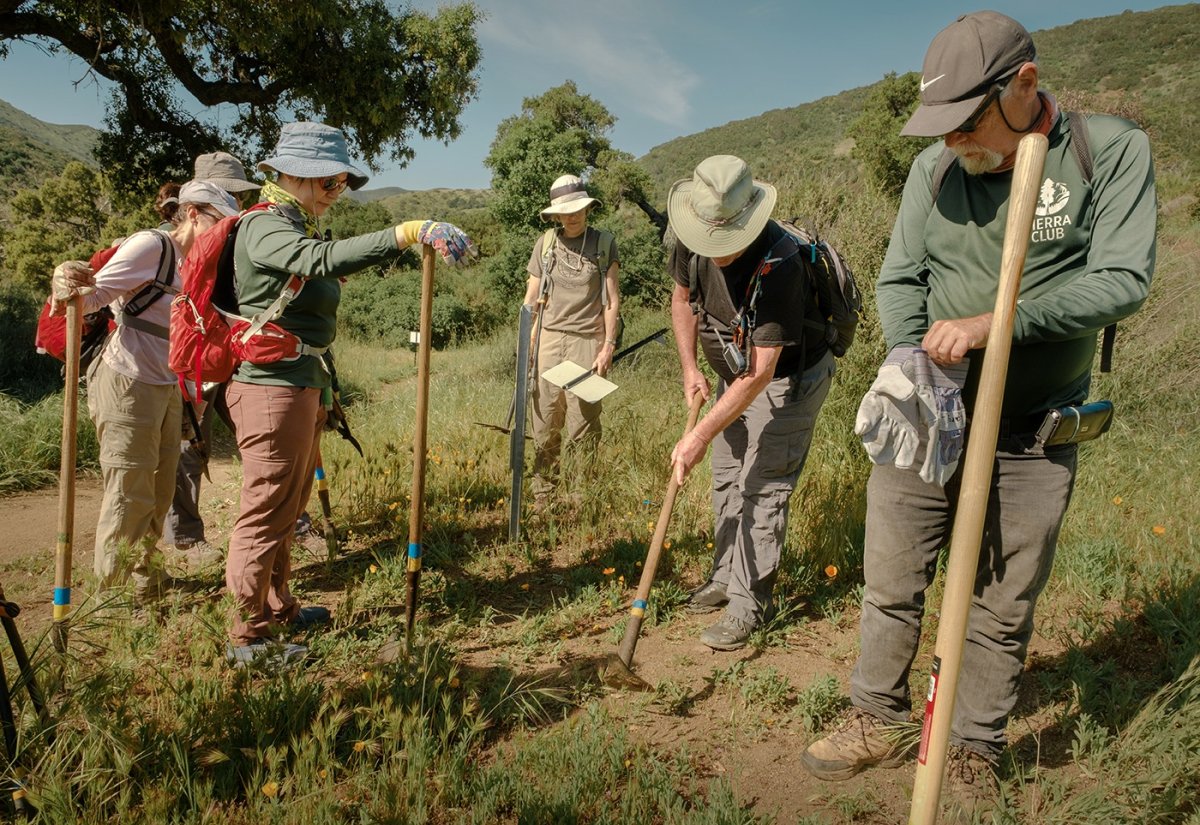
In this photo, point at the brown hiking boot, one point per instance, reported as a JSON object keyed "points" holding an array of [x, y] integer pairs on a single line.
{"points": [[970, 786], [859, 740]]}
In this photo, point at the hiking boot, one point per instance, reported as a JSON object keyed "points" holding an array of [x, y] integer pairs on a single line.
{"points": [[150, 589], [859, 740], [707, 598], [310, 543], [971, 785], [310, 616], [199, 555], [730, 633], [264, 653]]}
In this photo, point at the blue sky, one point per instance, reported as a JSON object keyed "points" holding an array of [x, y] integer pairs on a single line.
{"points": [[664, 68]]}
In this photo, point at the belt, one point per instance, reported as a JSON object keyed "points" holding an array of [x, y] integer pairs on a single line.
{"points": [[1020, 424]]}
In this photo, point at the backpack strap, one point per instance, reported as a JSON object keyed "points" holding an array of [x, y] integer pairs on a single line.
{"points": [[1083, 156], [163, 282], [944, 164], [142, 325]]}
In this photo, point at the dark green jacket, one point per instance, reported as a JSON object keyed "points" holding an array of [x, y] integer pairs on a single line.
{"points": [[270, 246], [1090, 260]]}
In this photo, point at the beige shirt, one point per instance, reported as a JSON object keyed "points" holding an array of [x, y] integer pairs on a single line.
{"points": [[573, 298]]}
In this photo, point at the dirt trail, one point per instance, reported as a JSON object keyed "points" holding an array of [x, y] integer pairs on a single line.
{"points": [[28, 522]]}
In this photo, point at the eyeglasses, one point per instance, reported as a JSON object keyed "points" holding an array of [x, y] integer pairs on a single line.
{"points": [[335, 185], [972, 123]]}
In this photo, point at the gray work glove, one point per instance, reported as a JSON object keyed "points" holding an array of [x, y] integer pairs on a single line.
{"points": [[889, 419], [939, 389], [70, 278]]}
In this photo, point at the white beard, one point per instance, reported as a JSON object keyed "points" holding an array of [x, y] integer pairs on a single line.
{"points": [[976, 159]]}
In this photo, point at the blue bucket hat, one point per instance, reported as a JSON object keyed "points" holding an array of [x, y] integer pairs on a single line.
{"points": [[312, 150]]}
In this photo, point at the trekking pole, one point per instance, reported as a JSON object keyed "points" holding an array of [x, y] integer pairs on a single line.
{"points": [[620, 672], [967, 534], [416, 510], [66, 479], [15, 782], [331, 541]]}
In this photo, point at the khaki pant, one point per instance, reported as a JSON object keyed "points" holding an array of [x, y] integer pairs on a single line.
{"points": [[278, 431], [553, 407], [137, 425]]}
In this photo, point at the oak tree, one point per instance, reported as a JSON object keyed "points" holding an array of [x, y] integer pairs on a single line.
{"points": [[383, 75]]}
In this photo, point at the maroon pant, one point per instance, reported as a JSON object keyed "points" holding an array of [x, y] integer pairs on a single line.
{"points": [[278, 431]]}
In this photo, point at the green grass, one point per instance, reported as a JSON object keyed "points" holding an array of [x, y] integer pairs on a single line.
{"points": [[499, 716]]}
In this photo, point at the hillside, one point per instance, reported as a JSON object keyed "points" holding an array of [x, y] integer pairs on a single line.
{"points": [[1150, 60], [31, 149]]}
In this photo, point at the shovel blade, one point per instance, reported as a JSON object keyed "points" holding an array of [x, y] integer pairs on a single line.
{"points": [[614, 673]]}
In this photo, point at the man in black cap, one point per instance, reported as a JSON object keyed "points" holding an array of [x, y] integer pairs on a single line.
{"points": [[1090, 262]]}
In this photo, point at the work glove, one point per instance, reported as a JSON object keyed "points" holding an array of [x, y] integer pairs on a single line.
{"points": [[889, 416], [451, 242], [70, 278], [939, 389]]}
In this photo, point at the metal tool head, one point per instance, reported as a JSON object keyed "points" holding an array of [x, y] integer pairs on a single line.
{"points": [[616, 674]]}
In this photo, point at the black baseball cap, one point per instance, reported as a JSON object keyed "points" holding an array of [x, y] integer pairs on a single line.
{"points": [[962, 64]]}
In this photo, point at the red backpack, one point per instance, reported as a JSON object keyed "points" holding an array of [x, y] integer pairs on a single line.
{"points": [[208, 338], [51, 335]]}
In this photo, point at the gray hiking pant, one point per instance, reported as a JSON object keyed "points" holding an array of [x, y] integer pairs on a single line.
{"points": [[184, 524], [908, 522], [756, 461]]}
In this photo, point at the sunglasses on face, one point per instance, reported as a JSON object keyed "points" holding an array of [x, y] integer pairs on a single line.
{"points": [[334, 185], [972, 123]]}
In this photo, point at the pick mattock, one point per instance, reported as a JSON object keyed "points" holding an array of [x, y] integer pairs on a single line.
{"points": [[618, 671], [66, 478], [416, 510], [965, 540], [331, 541]]}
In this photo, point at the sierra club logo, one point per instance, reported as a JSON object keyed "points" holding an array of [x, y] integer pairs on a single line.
{"points": [[1048, 224]]}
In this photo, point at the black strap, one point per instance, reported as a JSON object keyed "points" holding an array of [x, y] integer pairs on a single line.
{"points": [[161, 284], [142, 325]]}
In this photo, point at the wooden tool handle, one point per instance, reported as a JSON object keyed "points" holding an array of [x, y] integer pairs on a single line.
{"points": [[976, 482]]}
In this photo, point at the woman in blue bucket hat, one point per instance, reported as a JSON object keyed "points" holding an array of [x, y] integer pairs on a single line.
{"points": [[277, 407]]}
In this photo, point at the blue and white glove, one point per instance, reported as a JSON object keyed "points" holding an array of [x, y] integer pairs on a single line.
{"points": [[451, 242], [889, 416], [939, 389]]}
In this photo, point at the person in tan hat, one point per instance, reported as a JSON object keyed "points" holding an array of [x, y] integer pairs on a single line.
{"points": [[1090, 261], [573, 290], [762, 332], [184, 526]]}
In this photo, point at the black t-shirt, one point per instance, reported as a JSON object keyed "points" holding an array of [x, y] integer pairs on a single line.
{"points": [[786, 300]]}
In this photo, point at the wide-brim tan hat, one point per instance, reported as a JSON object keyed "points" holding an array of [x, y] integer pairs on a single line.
{"points": [[567, 196], [721, 209]]}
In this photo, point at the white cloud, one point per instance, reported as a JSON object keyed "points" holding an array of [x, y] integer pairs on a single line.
{"points": [[609, 48]]}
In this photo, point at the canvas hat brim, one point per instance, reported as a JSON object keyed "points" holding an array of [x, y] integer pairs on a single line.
{"points": [[942, 118], [313, 168], [569, 205], [234, 184], [718, 240]]}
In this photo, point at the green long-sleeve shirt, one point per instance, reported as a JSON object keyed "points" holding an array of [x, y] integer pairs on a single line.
{"points": [[1090, 260], [272, 246]]}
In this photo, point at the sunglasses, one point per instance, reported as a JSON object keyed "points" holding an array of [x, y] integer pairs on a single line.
{"points": [[334, 185]]}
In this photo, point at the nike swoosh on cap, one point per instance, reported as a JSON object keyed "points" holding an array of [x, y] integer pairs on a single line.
{"points": [[925, 85]]}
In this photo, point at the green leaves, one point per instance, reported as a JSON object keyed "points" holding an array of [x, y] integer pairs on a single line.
{"points": [[383, 76]]}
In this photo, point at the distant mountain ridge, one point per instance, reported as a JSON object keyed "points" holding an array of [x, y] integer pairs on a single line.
{"points": [[74, 141]]}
